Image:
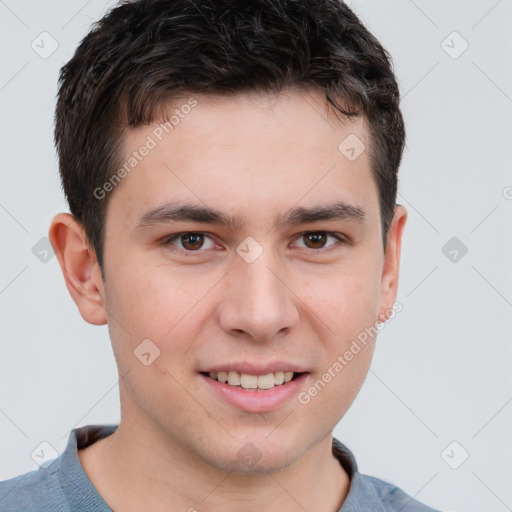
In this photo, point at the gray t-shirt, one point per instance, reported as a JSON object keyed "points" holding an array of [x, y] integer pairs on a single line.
{"points": [[63, 485]]}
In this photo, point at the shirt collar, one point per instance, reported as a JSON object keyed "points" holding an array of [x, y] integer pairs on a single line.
{"points": [[84, 497], [78, 489], [362, 495]]}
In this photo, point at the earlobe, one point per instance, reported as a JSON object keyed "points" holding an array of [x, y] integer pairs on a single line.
{"points": [[79, 267], [391, 268]]}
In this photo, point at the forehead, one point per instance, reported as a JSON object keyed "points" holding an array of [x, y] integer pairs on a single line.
{"points": [[253, 151]]}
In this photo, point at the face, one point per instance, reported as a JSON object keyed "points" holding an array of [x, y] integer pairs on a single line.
{"points": [[262, 289]]}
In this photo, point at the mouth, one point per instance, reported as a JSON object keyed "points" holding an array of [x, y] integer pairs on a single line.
{"points": [[251, 382], [255, 388]]}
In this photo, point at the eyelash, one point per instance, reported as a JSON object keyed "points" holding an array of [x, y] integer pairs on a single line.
{"points": [[168, 240]]}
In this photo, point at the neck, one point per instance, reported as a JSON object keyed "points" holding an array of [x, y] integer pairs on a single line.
{"points": [[170, 479]]}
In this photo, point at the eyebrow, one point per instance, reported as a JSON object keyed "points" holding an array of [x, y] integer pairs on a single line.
{"points": [[175, 212]]}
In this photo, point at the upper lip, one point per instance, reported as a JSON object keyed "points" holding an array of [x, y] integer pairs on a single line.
{"points": [[255, 368]]}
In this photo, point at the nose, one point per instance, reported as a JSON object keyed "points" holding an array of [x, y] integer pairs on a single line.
{"points": [[259, 302]]}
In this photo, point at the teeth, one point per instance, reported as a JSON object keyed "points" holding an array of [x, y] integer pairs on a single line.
{"points": [[247, 381], [278, 378], [233, 378], [266, 381]]}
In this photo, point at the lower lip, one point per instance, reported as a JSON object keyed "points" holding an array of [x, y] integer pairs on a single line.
{"points": [[257, 401]]}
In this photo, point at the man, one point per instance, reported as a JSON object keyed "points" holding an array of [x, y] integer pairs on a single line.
{"points": [[231, 171]]}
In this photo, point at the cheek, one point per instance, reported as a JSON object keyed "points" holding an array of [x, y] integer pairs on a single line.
{"points": [[346, 299], [161, 305], [155, 300], [347, 356], [339, 387], [347, 303]]}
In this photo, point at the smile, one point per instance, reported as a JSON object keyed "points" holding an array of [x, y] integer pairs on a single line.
{"points": [[256, 392], [252, 382]]}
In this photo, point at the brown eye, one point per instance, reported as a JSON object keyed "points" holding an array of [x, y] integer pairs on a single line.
{"points": [[190, 242], [318, 239], [315, 240]]}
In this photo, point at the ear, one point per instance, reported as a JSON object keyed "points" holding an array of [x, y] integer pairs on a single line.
{"points": [[389, 282], [79, 266]]}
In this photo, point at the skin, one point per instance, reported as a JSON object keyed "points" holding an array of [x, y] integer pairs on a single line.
{"points": [[255, 156]]}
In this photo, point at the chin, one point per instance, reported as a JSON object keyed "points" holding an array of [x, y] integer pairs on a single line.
{"points": [[261, 464], [257, 456]]}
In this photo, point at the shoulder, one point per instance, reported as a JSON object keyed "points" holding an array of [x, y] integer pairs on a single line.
{"points": [[371, 493], [36, 490], [61, 485], [392, 497]]}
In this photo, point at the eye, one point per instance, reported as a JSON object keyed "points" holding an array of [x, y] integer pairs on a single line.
{"points": [[318, 239], [190, 241]]}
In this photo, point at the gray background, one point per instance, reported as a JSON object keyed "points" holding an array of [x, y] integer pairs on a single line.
{"points": [[441, 371]]}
